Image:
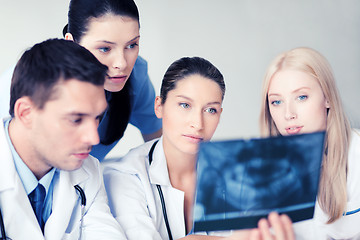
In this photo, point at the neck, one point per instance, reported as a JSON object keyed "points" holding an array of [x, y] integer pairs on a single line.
{"points": [[180, 165], [20, 140]]}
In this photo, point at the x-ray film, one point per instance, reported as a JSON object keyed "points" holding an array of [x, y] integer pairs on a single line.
{"points": [[241, 181]]}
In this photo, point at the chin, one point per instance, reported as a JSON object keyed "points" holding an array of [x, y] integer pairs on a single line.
{"points": [[191, 151], [114, 87]]}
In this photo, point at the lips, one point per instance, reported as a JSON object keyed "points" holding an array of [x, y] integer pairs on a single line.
{"points": [[293, 129], [193, 138], [82, 155], [118, 79]]}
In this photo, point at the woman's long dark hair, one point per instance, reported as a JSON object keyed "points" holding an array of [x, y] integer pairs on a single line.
{"points": [[116, 117]]}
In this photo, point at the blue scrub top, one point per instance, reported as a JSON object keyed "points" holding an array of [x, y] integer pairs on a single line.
{"points": [[142, 97]]}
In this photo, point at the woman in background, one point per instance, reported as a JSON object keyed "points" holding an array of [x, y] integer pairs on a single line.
{"points": [[110, 30], [300, 96], [190, 105]]}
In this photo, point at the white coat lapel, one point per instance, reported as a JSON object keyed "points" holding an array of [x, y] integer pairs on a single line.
{"points": [[174, 198], [65, 199], [175, 210], [14, 203]]}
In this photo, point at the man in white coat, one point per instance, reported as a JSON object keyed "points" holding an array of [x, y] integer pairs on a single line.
{"points": [[57, 98]]}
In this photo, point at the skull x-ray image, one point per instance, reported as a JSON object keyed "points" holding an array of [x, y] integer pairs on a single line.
{"points": [[241, 181]]}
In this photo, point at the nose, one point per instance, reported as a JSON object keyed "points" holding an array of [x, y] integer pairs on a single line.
{"points": [[290, 112], [90, 134], [119, 60], [197, 120]]}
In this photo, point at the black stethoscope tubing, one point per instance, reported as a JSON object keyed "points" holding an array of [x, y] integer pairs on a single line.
{"points": [[83, 204], [161, 194], [3, 234], [82, 195]]}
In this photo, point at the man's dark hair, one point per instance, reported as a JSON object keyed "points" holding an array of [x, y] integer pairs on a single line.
{"points": [[47, 63]]}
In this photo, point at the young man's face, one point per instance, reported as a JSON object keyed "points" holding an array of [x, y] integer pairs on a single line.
{"points": [[64, 131]]}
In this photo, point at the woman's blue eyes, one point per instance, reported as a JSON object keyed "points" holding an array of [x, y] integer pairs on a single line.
{"points": [[184, 105], [209, 110], [104, 49], [107, 49], [276, 102], [132, 45], [302, 97]]}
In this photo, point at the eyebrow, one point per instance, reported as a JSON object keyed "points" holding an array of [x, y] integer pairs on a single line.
{"points": [[79, 114], [76, 114], [135, 38], [113, 43], [190, 99], [296, 90]]}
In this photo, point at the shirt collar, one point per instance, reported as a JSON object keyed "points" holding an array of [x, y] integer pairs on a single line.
{"points": [[28, 179], [158, 170]]}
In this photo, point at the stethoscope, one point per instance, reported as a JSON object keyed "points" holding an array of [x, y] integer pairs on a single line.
{"points": [[83, 204], [160, 194]]}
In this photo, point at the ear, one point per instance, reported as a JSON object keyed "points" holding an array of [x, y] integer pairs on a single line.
{"points": [[69, 36], [22, 110], [158, 107]]}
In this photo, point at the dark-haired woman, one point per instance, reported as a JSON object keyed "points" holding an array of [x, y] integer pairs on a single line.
{"points": [[190, 105], [110, 30]]}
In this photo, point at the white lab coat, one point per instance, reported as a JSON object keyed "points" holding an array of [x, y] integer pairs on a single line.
{"points": [[347, 227], [134, 199], [64, 221]]}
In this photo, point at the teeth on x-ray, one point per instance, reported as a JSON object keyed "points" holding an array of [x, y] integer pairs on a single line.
{"points": [[241, 181]]}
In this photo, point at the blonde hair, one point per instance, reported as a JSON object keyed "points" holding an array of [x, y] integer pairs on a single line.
{"points": [[332, 195]]}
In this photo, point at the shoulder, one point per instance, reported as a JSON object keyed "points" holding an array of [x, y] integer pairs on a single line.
{"points": [[355, 134], [354, 148], [355, 141], [140, 67], [139, 72], [141, 62], [134, 162]]}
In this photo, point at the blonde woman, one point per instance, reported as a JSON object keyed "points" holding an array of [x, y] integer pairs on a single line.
{"points": [[300, 96]]}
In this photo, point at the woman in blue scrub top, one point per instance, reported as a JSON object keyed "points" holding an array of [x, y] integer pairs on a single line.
{"points": [[110, 30]]}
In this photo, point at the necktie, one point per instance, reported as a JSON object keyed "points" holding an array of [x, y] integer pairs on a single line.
{"points": [[37, 197]]}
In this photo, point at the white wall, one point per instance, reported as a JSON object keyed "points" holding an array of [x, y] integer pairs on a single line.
{"points": [[239, 36]]}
